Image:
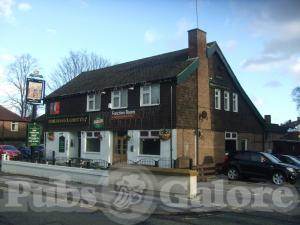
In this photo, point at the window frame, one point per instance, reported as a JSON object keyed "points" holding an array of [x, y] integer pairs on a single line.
{"points": [[119, 95], [93, 136], [93, 98], [235, 102], [142, 92], [16, 124], [149, 137], [218, 99], [226, 101]]}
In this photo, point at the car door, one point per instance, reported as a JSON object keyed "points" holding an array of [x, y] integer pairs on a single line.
{"points": [[261, 167], [242, 160]]}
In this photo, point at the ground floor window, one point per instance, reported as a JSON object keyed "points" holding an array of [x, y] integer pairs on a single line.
{"points": [[93, 140], [149, 143]]}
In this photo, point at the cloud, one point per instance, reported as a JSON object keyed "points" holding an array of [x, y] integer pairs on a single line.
{"points": [[6, 9], [51, 31], [295, 68], [183, 25], [150, 36], [262, 63], [1, 73], [5, 57], [273, 84], [24, 6], [229, 45], [258, 101]]}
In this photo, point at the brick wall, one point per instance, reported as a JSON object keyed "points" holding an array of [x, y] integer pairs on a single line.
{"points": [[7, 136]]}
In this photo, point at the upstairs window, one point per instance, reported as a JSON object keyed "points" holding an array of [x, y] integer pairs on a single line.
{"points": [[235, 102], [14, 126], [226, 101], [93, 102], [119, 98], [150, 95], [217, 99]]}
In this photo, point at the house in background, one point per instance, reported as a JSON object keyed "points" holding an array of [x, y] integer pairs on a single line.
{"points": [[12, 128], [186, 103]]}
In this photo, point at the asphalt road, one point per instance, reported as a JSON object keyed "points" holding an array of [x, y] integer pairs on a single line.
{"points": [[99, 212]]}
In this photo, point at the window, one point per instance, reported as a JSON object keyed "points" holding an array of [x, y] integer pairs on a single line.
{"points": [[244, 145], [93, 140], [242, 156], [217, 99], [93, 102], [150, 95], [226, 101], [119, 98], [150, 143], [54, 108], [256, 157], [14, 126], [235, 102]]}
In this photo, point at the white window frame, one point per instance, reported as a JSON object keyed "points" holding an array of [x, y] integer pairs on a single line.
{"points": [[118, 93], [142, 92], [246, 144], [149, 136], [226, 101], [218, 99], [92, 97], [92, 137], [16, 124], [235, 102]]}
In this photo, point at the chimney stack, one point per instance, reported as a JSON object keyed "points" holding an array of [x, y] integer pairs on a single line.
{"points": [[197, 43], [268, 119]]}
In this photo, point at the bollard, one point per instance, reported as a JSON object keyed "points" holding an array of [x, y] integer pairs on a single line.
{"points": [[53, 157]]}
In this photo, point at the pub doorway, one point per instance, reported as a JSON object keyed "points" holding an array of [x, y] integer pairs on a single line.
{"points": [[120, 147]]}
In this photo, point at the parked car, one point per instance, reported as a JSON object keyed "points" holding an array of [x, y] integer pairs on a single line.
{"points": [[251, 164], [10, 150], [38, 151], [289, 159]]}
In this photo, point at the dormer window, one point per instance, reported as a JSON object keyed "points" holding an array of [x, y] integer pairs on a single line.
{"points": [[150, 95], [93, 102], [119, 99]]}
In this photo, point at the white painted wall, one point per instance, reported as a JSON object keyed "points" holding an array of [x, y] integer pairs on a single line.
{"points": [[133, 152], [106, 147], [53, 145]]}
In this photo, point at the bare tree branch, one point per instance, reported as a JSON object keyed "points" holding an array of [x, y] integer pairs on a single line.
{"points": [[74, 64], [17, 74]]}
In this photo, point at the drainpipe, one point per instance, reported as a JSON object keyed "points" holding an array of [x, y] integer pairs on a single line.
{"points": [[197, 119], [171, 124]]}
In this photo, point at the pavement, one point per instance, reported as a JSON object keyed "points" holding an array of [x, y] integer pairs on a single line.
{"points": [[155, 208]]}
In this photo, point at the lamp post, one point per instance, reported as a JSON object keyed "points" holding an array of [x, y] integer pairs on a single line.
{"points": [[35, 90]]}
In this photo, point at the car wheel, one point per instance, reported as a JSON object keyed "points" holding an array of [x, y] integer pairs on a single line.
{"points": [[233, 174], [278, 178]]}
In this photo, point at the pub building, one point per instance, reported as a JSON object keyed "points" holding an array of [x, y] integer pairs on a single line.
{"points": [[186, 103]]}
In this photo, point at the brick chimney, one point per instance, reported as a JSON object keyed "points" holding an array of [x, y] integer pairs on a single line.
{"points": [[268, 119], [197, 48]]}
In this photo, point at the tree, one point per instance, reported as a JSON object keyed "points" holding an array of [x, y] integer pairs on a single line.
{"points": [[18, 72], [296, 96], [74, 64]]}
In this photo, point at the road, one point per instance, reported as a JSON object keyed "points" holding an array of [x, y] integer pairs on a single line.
{"points": [[99, 213]]}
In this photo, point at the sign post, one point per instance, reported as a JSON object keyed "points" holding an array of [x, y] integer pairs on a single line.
{"points": [[35, 91]]}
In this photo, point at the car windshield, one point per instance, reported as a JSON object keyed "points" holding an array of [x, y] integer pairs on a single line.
{"points": [[271, 157], [295, 159], [9, 147]]}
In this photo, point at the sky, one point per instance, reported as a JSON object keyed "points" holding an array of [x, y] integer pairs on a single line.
{"points": [[260, 39]]}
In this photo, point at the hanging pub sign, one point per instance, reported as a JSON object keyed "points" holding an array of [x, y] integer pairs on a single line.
{"points": [[35, 90]]}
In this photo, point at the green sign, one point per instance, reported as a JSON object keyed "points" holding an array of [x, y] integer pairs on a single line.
{"points": [[98, 123], [33, 134], [61, 144]]}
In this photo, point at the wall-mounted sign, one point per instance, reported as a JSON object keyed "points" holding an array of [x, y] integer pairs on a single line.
{"points": [[61, 144], [123, 115], [69, 120], [33, 134], [54, 108], [98, 123], [35, 90]]}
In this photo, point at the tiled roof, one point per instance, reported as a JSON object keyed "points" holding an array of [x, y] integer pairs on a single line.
{"points": [[8, 115], [153, 68]]}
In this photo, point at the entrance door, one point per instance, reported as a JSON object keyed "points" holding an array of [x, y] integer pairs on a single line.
{"points": [[230, 146], [120, 147]]}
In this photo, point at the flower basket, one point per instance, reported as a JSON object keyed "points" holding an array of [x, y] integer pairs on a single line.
{"points": [[165, 135]]}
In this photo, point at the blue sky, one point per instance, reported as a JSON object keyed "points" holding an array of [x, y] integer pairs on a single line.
{"points": [[260, 39]]}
